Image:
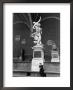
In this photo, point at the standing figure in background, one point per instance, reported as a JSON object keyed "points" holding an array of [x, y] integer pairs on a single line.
{"points": [[23, 54]]}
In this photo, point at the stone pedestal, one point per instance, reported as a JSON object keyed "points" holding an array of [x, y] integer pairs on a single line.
{"points": [[55, 56], [38, 58]]}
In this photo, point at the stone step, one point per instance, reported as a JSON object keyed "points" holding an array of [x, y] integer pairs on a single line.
{"points": [[18, 73]]}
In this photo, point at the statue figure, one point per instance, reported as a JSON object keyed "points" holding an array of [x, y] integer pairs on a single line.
{"points": [[37, 33], [38, 53]]}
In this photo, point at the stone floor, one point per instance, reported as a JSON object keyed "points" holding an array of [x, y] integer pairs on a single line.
{"points": [[33, 74], [23, 68]]}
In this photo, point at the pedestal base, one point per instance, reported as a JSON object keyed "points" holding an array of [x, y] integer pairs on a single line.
{"points": [[38, 58], [55, 56], [55, 60], [35, 64]]}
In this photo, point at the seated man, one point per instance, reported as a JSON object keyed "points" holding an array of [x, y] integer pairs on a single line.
{"points": [[42, 70]]}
